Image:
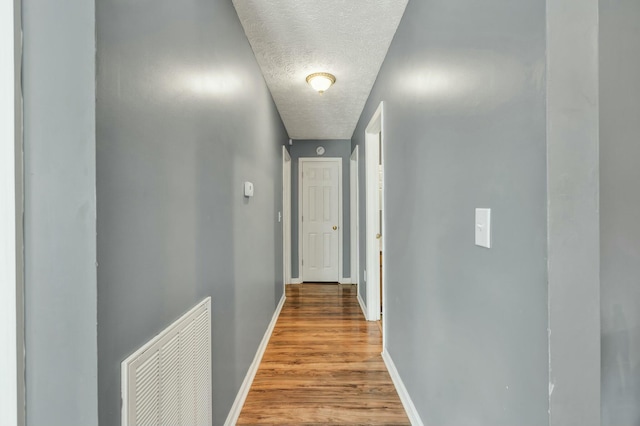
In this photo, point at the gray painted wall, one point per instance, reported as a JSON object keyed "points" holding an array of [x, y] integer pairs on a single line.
{"points": [[183, 119], [573, 218], [60, 212], [619, 204], [334, 148], [464, 92]]}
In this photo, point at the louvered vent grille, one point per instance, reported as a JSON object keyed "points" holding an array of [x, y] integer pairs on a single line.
{"points": [[168, 380]]}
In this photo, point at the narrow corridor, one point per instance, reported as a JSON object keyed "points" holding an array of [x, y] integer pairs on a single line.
{"points": [[323, 365]]}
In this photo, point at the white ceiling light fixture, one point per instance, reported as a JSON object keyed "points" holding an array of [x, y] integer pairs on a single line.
{"points": [[352, 43], [321, 81]]}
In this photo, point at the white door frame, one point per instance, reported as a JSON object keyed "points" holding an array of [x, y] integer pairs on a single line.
{"points": [[286, 216], [302, 160], [355, 217], [372, 182], [9, 382]]}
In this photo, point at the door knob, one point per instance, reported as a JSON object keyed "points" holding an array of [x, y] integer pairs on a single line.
{"points": [[378, 236], [335, 227]]}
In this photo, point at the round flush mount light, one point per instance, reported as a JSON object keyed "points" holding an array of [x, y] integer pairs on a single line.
{"points": [[321, 81]]}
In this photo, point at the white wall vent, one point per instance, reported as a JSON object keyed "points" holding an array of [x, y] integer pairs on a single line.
{"points": [[168, 380]]}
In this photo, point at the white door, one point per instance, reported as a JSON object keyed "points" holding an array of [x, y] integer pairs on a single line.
{"points": [[374, 142], [321, 219]]}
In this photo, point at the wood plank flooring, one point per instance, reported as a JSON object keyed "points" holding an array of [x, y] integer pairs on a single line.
{"points": [[323, 365]]}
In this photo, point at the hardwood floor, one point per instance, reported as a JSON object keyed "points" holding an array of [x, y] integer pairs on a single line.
{"points": [[323, 365]]}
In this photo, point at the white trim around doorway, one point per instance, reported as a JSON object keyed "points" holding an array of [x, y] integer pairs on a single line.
{"points": [[286, 216], [354, 216], [8, 221]]}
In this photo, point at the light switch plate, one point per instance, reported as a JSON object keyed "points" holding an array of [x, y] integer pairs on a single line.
{"points": [[483, 228]]}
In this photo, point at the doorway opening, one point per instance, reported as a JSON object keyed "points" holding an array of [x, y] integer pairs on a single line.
{"points": [[286, 216], [354, 216], [374, 239], [320, 219]]}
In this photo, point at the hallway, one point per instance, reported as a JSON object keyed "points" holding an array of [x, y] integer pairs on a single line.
{"points": [[133, 128], [323, 365]]}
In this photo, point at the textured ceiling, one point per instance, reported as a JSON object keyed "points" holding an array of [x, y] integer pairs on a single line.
{"points": [[294, 38]]}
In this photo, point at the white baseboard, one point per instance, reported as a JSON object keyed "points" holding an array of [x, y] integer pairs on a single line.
{"points": [[344, 280], [236, 408], [412, 413], [362, 306]]}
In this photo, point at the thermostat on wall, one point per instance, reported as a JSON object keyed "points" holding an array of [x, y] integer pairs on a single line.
{"points": [[248, 189]]}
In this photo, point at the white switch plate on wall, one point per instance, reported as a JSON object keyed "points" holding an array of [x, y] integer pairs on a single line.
{"points": [[483, 228], [248, 189]]}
